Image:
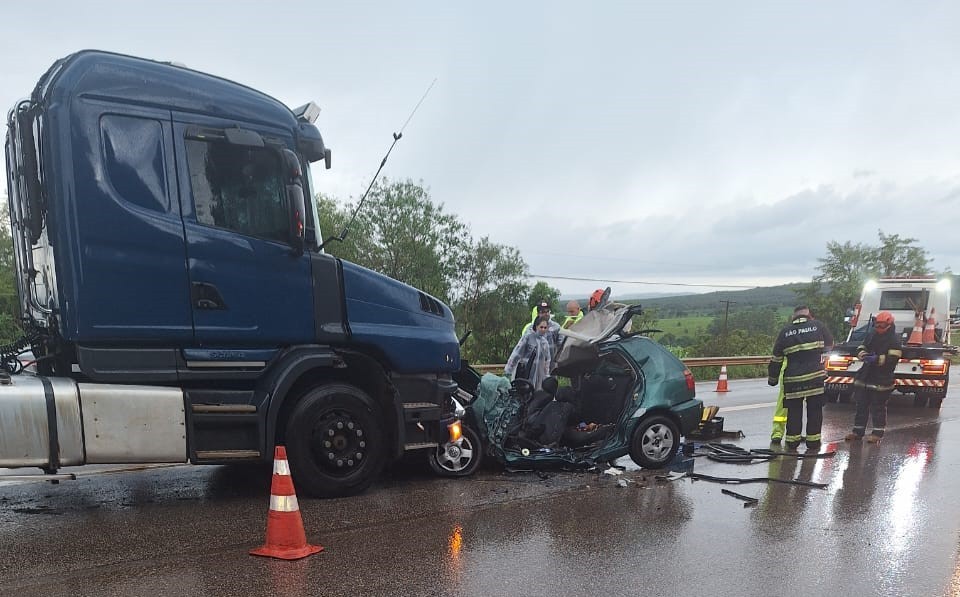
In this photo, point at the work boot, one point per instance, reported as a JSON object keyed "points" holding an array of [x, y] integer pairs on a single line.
{"points": [[813, 446], [873, 438], [853, 437], [791, 445], [776, 439]]}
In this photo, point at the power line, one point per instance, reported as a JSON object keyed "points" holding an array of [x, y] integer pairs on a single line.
{"points": [[638, 282]]}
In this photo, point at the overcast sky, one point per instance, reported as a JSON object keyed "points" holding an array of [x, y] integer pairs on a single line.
{"points": [[696, 143]]}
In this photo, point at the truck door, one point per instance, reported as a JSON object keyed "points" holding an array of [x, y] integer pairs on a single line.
{"points": [[127, 276], [249, 288]]}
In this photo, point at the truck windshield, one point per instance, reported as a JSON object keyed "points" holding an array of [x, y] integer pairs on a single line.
{"points": [[903, 300]]}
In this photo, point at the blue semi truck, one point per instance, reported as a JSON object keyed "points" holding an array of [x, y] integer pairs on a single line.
{"points": [[177, 298]]}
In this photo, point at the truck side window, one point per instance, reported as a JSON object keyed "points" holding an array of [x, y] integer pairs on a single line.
{"points": [[238, 188], [133, 158]]}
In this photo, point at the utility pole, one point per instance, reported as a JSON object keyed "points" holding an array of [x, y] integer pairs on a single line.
{"points": [[726, 312]]}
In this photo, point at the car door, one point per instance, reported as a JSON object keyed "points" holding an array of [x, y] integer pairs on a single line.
{"points": [[249, 287]]}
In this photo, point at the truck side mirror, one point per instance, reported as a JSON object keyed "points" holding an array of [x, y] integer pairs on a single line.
{"points": [[296, 205]]}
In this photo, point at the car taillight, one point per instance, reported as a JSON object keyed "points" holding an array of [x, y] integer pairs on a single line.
{"points": [[836, 362], [934, 366], [691, 382]]}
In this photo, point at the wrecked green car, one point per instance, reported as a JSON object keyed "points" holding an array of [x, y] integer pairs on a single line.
{"points": [[626, 395]]}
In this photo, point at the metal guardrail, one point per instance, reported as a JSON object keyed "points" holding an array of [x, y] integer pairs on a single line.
{"points": [[690, 362]]}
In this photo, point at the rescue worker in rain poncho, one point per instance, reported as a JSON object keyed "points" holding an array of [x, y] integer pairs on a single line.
{"points": [[532, 358]]}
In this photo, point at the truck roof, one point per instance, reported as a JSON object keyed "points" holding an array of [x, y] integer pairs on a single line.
{"points": [[96, 73]]}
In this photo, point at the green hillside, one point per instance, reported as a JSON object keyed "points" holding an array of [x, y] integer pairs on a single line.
{"points": [[709, 304]]}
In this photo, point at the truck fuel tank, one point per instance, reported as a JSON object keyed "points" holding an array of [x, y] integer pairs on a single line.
{"points": [[50, 422], [26, 404]]}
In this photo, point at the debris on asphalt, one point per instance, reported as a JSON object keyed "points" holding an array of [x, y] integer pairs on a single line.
{"points": [[748, 501]]}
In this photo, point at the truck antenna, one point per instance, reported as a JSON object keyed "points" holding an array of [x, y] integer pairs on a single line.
{"points": [[396, 137]]}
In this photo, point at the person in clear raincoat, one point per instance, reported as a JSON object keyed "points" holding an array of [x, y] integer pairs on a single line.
{"points": [[532, 358]]}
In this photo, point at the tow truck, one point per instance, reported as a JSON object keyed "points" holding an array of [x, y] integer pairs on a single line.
{"points": [[921, 310]]}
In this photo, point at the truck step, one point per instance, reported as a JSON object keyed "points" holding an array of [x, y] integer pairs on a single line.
{"points": [[224, 408], [415, 412], [227, 454], [419, 446]]}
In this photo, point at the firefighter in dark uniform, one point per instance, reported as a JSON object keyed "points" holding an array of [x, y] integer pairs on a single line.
{"points": [[798, 350], [873, 383]]}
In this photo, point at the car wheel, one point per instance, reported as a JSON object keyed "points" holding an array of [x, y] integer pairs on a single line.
{"points": [[457, 459], [655, 442], [335, 441]]}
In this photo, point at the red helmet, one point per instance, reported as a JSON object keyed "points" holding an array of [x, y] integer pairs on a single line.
{"points": [[595, 298], [883, 321]]}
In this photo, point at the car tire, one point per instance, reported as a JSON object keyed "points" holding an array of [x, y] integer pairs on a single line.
{"points": [[335, 442], [655, 442], [457, 460]]}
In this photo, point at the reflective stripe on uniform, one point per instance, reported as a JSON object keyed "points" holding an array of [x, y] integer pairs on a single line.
{"points": [[813, 438], [802, 394], [793, 438], [284, 503], [776, 359], [802, 347], [805, 377]]}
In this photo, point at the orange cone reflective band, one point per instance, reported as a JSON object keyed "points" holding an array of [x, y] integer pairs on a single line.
{"points": [[722, 382], [286, 539], [930, 329], [916, 336]]}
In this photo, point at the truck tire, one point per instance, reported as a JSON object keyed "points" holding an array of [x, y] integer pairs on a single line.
{"points": [[935, 401], [335, 441]]}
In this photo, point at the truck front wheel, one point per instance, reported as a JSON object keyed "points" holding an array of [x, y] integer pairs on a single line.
{"points": [[335, 441]]}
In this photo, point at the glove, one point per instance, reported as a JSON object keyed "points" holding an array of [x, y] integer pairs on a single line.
{"points": [[771, 381], [869, 359]]}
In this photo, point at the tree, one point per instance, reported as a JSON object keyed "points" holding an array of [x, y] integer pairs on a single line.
{"points": [[490, 300], [9, 304], [403, 234], [542, 291], [847, 266], [897, 257]]}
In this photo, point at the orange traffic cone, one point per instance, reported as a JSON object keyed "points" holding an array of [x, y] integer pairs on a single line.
{"points": [[722, 382], [285, 537], [930, 329], [916, 336]]}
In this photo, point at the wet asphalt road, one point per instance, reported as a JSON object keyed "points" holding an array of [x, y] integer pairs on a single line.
{"points": [[887, 524]]}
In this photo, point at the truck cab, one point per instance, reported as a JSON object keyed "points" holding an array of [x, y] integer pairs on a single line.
{"points": [[166, 240]]}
